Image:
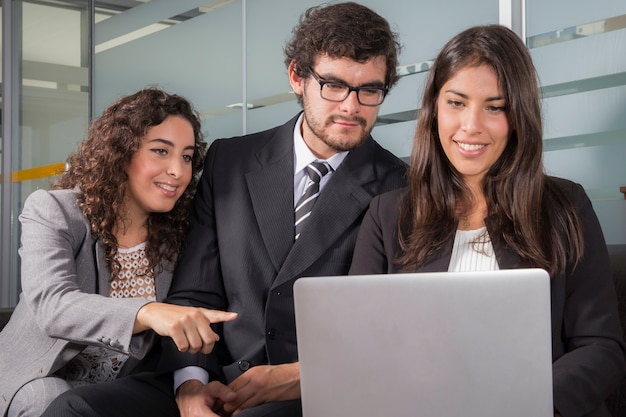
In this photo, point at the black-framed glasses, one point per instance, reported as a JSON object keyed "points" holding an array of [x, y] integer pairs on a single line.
{"points": [[337, 91]]}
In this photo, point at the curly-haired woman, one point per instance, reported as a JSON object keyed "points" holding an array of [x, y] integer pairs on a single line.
{"points": [[98, 251]]}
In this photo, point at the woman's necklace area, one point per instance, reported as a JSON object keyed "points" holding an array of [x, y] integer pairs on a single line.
{"points": [[130, 239], [474, 220]]}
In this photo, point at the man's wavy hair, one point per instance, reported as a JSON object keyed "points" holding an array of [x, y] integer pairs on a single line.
{"points": [[98, 169], [343, 30]]}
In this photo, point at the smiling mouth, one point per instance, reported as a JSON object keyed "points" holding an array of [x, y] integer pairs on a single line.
{"points": [[167, 187], [470, 146]]}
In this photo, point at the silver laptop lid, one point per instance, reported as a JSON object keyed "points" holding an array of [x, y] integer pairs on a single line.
{"points": [[472, 344]]}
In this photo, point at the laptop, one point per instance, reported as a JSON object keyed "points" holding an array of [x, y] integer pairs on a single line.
{"points": [[444, 344]]}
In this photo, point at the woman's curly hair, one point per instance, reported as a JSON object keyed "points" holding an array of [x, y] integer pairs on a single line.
{"points": [[98, 169]]}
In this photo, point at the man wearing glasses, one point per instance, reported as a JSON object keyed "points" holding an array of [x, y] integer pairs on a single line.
{"points": [[254, 233]]}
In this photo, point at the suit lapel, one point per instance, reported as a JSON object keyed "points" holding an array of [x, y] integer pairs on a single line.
{"points": [[103, 275], [341, 203], [506, 257], [271, 191], [163, 281]]}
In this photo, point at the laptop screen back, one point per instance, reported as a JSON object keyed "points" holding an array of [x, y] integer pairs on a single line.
{"points": [[447, 344]]}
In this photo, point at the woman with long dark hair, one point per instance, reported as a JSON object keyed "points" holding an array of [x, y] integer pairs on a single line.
{"points": [[479, 199]]}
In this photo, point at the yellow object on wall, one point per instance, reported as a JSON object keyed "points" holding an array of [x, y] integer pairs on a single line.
{"points": [[45, 171]]}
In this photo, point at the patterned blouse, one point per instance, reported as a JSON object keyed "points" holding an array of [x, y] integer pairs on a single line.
{"points": [[99, 364]]}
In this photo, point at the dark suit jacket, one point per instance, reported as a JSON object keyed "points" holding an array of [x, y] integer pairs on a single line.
{"points": [[587, 345], [240, 253]]}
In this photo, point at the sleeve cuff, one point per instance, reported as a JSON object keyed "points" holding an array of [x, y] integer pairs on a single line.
{"points": [[190, 372]]}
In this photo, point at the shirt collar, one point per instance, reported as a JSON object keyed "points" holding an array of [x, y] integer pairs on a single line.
{"points": [[303, 155]]}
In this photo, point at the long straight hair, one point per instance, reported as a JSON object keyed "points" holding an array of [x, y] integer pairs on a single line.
{"points": [[546, 234]]}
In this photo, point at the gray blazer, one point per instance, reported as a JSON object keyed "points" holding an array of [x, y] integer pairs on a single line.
{"points": [[64, 304]]}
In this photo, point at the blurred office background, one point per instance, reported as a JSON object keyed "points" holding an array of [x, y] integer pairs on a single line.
{"points": [[63, 62]]}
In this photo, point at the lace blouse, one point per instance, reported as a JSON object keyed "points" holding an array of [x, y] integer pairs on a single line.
{"points": [[97, 363]]}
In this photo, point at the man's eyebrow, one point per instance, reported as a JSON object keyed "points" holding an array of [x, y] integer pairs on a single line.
{"points": [[335, 79]]}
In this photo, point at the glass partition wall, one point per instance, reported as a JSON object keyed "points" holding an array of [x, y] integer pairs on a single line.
{"points": [[226, 57], [45, 93], [5, 230], [579, 53], [225, 53]]}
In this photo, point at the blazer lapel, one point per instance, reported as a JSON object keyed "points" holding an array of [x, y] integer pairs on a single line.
{"points": [[506, 257], [103, 277], [271, 191], [341, 203], [163, 281]]}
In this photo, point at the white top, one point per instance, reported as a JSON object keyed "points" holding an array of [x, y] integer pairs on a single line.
{"points": [[472, 251]]}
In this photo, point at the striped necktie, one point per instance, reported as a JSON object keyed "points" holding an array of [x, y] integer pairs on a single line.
{"points": [[315, 170]]}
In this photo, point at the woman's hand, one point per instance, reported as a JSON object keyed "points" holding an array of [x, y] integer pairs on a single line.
{"points": [[189, 327]]}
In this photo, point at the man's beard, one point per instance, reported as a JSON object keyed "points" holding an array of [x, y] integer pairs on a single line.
{"points": [[336, 143]]}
